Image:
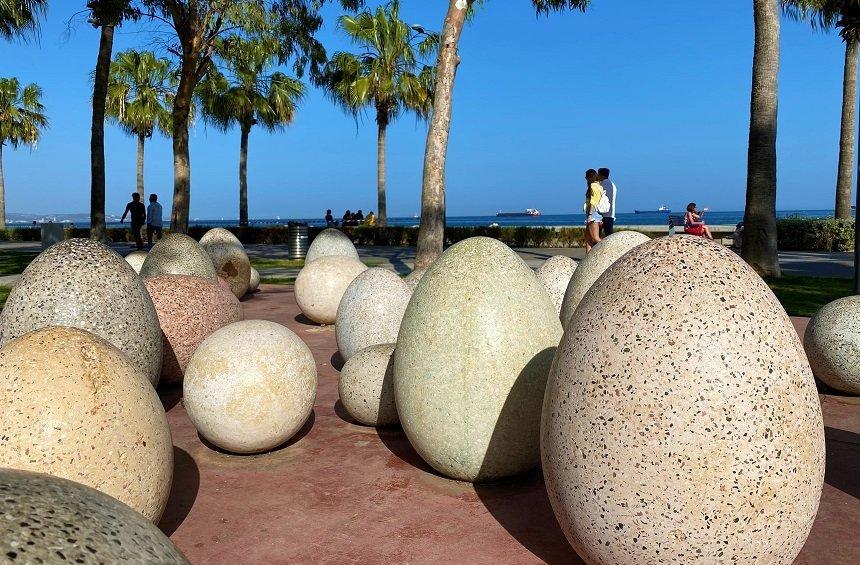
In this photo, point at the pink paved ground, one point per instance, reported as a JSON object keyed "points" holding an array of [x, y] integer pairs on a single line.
{"points": [[339, 492]]}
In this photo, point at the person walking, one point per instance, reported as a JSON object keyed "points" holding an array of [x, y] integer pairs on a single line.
{"points": [[611, 190], [593, 195], [138, 218], [154, 221]]}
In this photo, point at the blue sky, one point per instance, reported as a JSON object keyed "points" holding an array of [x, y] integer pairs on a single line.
{"points": [[659, 94]]}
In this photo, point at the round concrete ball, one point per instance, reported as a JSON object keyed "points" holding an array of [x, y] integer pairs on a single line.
{"points": [[672, 434], [136, 259], [321, 284], [601, 257], [331, 242], [554, 275], [413, 278], [366, 386], [471, 362], [73, 523], [232, 264], [254, 284], [178, 254], [74, 406], [189, 310], [250, 386], [219, 235], [832, 343], [370, 311], [83, 284]]}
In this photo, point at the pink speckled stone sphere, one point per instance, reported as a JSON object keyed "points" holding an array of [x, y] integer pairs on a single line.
{"points": [[189, 310]]}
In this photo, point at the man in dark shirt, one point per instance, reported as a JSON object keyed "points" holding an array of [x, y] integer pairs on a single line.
{"points": [[138, 217]]}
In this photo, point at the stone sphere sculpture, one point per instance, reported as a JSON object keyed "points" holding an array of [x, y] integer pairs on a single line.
{"points": [[554, 275], [189, 310], [331, 242], [178, 254], [74, 406], [136, 259], [682, 424], [250, 386], [83, 284], [219, 235], [413, 278], [232, 264], [370, 311], [72, 523], [471, 362], [601, 257], [254, 283], [832, 343], [321, 285], [366, 386]]}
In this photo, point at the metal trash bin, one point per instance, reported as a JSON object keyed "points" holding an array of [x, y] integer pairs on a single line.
{"points": [[297, 240], [52, 233]]}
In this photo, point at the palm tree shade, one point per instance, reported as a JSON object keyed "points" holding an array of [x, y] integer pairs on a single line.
{"points": [[22, 119], [19, 17]]}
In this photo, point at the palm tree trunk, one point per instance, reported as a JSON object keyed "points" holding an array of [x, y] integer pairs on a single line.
{"points": [[846, 134], [2, 192], [243, 176], [141, 139], [759, 241], [431, 234], [181, 156], [382, 216], [97, 137]]}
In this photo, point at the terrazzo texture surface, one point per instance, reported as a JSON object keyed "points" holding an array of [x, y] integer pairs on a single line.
{"points": [[832, 343], [413, 278], [366, 386], [83, 284], [219, 235], [682, 424], [250, 386], [471, 363], [322, 283], [74, 406], [52, 520], [232, 264], [178, 254], [136, 259], [331, 242], [189, 310], [370, 311], [554, 275]]}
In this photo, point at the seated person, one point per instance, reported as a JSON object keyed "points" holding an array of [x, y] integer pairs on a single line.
{"points": [[694, 224], [358, 217], [329, 219], [370, 219]]}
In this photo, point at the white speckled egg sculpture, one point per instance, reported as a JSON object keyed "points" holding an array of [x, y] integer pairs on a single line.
{"points": [[413, 278], [250, 386], [232, 264], [321, 284], [554, 275], [219, 235], [471, 362], [832, 343], [330, 242], [136, 259], [682, 423], [254, 284], [366, 386], [74, 406], [178, 254]]}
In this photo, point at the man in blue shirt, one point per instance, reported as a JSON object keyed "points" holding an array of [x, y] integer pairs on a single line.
{"points": [[153, 219]]}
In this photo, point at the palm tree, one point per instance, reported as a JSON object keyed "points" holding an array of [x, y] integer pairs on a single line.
{"points": [[386, 75], [140, 92], [759, 247], [18, 17], [248, 96], [22, 119]]}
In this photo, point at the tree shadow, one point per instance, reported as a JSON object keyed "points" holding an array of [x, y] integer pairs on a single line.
{"points": [[183, 491], [842, 470], [297, 437]]}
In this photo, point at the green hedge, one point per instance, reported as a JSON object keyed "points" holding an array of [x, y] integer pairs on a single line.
{"points": [[803, 234]]}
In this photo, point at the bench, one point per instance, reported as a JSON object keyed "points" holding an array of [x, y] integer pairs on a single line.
{"points": [[676, 221]]}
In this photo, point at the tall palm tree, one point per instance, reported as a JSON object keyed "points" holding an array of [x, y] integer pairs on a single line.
{"points": [[140, 93], [387, 75], [246, 95], [759, 247], [22, 119], [18, 17]]}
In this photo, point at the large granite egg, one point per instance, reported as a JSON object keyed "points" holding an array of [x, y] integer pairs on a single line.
{"points": [[189, 310], [600, 258], [471, 362], [413, 278], [219, 235], [232, 264], [178, 254], [82, 283], [681, 423], [554, 275], [74, 406], [254, 284], [366, 386], [832, 343], [370, 311], [331, 242], [322, 283], [250, 386], [136, 259], [52, 520]]}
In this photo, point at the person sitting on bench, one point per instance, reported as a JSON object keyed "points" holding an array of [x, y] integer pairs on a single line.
{"points": [[694, 224]]}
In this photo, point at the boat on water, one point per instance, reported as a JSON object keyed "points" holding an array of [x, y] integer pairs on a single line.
{"points": [[527, 213], [661, 210]]}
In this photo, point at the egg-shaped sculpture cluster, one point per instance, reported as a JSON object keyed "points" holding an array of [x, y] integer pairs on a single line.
{"points": [[555, 275], [178, 254], [331, 242], [832, 343], [322, 283], [366, 386]]}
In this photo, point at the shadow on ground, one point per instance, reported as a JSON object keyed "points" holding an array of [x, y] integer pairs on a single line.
{"points": [[843, 460], [183, 491]]}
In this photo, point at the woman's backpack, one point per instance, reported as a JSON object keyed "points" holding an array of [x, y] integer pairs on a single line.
{"points": [[603, 206]]}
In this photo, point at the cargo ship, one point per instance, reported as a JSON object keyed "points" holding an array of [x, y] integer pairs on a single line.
{"points": [[527, 213], [661, 210]]}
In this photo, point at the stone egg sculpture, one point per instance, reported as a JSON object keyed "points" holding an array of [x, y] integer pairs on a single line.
{"points": [[254, 283], [74, 406], [554, 275], [471, 362], [832, 343], [178, 254], [72, 523], [189, 310], [601, 257], [136, 259], [232, 264], [321, 285], [366, 386], [82, 283], [413, 278], [682, 424], [331, 242], [250, 386], [370, 311], [219, 235]]}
